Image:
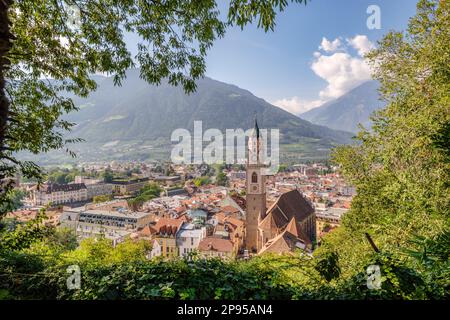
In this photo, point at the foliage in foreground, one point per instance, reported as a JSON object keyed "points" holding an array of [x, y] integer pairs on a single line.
{"points": [[38, 270], [401, 167]]}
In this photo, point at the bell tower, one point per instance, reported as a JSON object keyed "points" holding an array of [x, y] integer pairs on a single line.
{"points": [[256, 190]]}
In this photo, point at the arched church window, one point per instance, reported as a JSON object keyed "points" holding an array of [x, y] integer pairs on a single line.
{"points": [[254, 177]]}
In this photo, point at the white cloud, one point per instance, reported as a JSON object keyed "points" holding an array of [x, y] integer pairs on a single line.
{"points": [[330, 46], [296, 105], [341, 70], [361, 43]]}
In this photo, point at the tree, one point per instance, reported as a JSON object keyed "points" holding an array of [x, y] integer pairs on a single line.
{"points": [[25, 234], [147, 193], [220, 176], [62, 176], [401, 167], [200, 181], [57, 177], [102, 198], [16, 197], [221, 179], [50, 49], [63, 238], [108, 176]]}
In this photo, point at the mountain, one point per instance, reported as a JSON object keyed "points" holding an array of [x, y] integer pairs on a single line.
{"points": [[136, 120], [137, 110], [347, 111]]}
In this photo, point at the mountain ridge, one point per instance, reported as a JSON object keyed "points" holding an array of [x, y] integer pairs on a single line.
{"points": [[137, 110], [136, 120], [347, 111]]}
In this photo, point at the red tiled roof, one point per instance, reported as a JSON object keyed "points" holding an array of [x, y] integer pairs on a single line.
{"points": [[147, 231], [168, 226], [215, 244], [230, 209]]}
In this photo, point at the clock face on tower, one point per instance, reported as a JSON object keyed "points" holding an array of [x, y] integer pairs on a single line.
{"points": [[254, 182]]}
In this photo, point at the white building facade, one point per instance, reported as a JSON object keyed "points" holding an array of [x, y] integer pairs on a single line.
{"points": [[188, 238]]}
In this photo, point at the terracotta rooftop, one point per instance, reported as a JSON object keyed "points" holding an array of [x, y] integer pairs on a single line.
{"points": [[168, 226], [230, 209], [215, 244]]}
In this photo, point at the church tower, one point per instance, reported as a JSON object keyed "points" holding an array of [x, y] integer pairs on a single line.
{"points": [[256, 191]]}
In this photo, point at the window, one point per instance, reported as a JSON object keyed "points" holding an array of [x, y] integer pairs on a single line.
{"points": [[254, 177]]}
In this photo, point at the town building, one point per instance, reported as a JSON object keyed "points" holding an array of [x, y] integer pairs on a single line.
{"points": [[156, 250], [188, 238], [197, 216], [56, 194], [112, 224], [124, 187], [86, 180], [212, 247], [167, 180], [289, 223], [329, 219], [99, 189], [228, 226], [165, 233]]}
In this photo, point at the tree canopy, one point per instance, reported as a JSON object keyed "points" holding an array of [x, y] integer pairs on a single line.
{"points": [[401, 166]]}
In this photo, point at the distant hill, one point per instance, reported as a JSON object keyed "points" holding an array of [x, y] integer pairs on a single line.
{"points": [[137, 110], [136, 120], [346, 112]]}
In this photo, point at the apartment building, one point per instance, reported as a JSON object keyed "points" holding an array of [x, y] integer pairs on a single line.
{"points": [[57, 194], [165, 233], [113, 224], [188, 238], [99, 189], [210, 247], [123, 187]]}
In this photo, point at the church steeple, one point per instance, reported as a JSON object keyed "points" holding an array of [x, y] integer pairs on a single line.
{"points": [[256, 190], [255, 145], [256, 128]]}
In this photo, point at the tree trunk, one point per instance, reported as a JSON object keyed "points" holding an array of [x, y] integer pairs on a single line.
{"points": [[6, 38]]}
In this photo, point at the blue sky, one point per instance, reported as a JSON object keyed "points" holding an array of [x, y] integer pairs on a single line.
{"points": [[282, 66]]}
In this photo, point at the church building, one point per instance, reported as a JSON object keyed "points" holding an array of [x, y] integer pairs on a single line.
{"points": [[288, 224]]}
